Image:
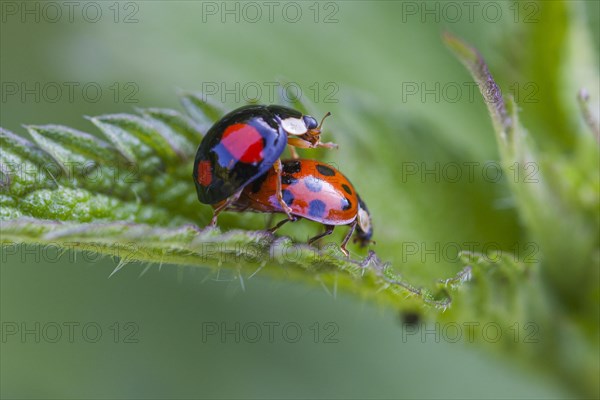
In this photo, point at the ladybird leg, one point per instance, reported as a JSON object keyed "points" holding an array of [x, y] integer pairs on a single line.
{"points": [[270, 218], [286, 209], [328, 145], [216, 212], [328, 231], [300, 143], [304, 144], [348, 235], [223, 206], [218, 207], [280, 224], [293, 152]]}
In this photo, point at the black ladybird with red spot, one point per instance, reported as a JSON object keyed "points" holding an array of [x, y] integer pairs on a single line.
{"points": [[244, 145], [313, 190]]}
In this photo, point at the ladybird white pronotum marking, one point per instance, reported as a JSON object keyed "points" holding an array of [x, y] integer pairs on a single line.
{"points": [[294, 126]]}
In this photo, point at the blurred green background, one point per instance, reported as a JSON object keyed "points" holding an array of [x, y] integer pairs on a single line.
{"points": [[358, 54]]}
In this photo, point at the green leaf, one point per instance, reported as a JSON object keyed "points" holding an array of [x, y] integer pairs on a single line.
{"points": [[136, 137], [133, 197], [188, 132], [201, 108], [560, 208]]}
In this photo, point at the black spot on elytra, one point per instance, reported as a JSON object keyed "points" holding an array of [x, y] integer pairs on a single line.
{"points": [[288, 197], [325, 170], [316, 208], [257, 184], [346, 204], [288, 179], [313, 184], [347, 188], [292, 167]]}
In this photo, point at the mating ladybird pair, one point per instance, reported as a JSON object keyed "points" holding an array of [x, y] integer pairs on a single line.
{"points": [[238, 168]]}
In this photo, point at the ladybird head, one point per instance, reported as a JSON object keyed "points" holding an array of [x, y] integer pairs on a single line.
{"points": [[364, 230], [314, 131], [310, 122]]}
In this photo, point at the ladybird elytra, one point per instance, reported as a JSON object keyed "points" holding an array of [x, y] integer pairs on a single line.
{"points": [[244, 145], [312, 190]]}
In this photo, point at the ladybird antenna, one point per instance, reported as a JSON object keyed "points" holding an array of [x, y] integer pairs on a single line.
{"points": [[323, 120]]}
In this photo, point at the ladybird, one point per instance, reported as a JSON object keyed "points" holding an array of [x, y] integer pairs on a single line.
{"points": [[313, 190], [244, 145]]}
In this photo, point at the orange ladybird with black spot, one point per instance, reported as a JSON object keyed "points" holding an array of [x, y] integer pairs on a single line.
{"points": [[245, 144], [313, 190]]}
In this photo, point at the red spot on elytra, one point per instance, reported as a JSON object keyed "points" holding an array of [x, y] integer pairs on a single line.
{"points": [[243, 142], [204, 173]]}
